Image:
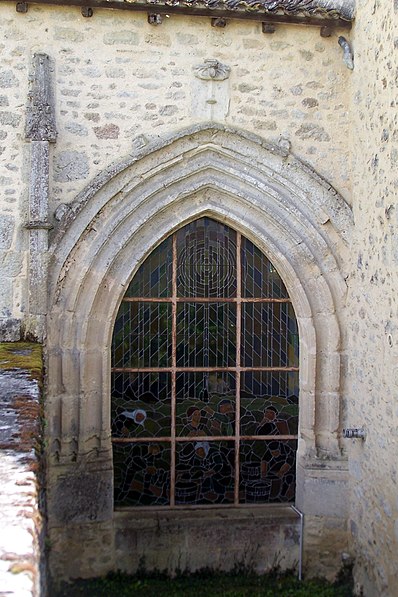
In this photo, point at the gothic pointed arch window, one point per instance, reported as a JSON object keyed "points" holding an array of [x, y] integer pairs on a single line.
{"points": [[205, 376]]}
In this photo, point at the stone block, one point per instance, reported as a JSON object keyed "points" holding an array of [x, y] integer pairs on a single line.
{"points": [[10, 119], [129, 38], [70, 165], [8, 79], [108, 131], [10, 329], [323, 493], [219, 540], [68, 34], [7, 224], [10, 263], [81, 497]]}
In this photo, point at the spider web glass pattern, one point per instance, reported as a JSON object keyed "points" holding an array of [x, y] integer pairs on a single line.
{"points": [[269, 335], [142, 336], [142, 474], [269, 403], [206, 253], [205, 376]]}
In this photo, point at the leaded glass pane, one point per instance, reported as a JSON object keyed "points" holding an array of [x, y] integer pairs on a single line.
{"points": [[259, 277], [205, 404], [141, 404], [142, 474], [267, 471], [142, 335], [269, 403], [269, 335], [205, 472], [206, 260], [154, 277], [206, 335], [194, 328]]}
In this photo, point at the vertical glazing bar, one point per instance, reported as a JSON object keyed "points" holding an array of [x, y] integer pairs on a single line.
{"points": [[238, 362], [173, 371]]}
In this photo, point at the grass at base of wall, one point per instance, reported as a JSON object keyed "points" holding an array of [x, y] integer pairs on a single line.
{"points": [[206, 585]]}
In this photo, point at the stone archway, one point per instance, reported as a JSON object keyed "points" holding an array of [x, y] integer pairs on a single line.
{"points": [[289, 212]]}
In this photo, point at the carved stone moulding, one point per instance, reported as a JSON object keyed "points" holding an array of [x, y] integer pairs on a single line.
{"points": [[40, 111], [212, 70]]}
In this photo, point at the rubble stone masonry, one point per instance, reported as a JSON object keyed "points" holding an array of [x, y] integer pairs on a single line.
{"points": [[120, 82], [124, 89], [373, 348]]}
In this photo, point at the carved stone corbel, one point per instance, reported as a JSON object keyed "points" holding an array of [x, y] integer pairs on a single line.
{"points": [[211, 70]]}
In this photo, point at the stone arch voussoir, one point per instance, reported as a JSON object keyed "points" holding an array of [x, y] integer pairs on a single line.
{"points": [[293, 215]]}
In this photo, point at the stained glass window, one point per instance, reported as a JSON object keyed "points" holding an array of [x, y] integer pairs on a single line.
{"points": [[205, 376]]}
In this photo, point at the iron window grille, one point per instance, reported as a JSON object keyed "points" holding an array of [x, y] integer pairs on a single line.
{"points": [[205, 376]]}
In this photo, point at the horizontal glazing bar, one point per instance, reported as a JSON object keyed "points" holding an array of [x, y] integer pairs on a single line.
{"points": [[201, 438], [197, 369], [143, 299]]}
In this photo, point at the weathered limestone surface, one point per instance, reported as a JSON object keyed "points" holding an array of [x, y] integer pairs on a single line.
{"points": [[123, 92], [41, 131], [293, 215], [143, 145], [120, 83], [373, 348], [193, 540], [182, 541], [20, 517]]}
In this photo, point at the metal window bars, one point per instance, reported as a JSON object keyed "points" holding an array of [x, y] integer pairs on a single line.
{"points": [[205, 376]]}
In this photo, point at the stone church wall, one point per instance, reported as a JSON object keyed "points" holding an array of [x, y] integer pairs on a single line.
{"points": [[120, 86], [373, 379], [120, 82]]}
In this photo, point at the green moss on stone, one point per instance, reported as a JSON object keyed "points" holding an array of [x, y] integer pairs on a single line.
{"points": [[25, 356]]}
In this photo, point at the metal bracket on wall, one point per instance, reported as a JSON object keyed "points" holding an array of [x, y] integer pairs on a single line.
{"points": [[354, 433]]}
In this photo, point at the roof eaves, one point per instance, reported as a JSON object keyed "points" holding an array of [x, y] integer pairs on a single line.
{"points": [[342, 9]]}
